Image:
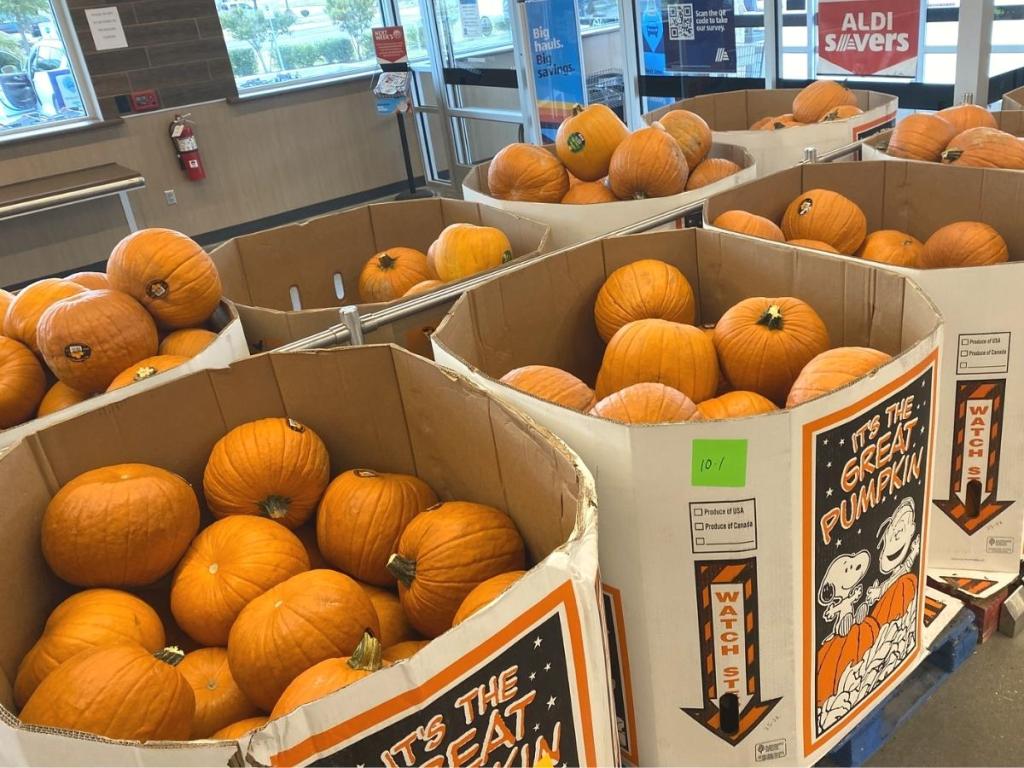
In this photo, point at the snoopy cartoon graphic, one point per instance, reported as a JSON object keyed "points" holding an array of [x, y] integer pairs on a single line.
{"points": [[840, 589], [898, 547]]}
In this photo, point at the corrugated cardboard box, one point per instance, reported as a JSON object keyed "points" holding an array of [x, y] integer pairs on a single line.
{"points": [[1013, 99], [723, 543], [982, 368], [730, 116], [875, 147], [289, 282], [533, 663]]}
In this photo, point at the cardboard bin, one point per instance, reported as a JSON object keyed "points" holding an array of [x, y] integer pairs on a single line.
{"points": [[531, 667], [875, 147], [721, 542], [574, 224], [731, 114], [1013, 99], [980, 434], [289, 282]]}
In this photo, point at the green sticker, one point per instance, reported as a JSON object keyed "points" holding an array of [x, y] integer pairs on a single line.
{"points": [[719, 463], [576, 142]]}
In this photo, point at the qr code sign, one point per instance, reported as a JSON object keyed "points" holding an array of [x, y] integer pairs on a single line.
{"points": [[680, 21]]}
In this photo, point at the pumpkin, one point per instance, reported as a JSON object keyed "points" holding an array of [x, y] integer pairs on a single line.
{"points": [[963, 244], [646, 404], [839, 652], [6, 299], [389, 274], [361, 516], [965, 116], [394, 627], [241, 728], [814, 245], [402, 651], [842, 112], [219, 700], [484, 593], [423, 287], [227, 565], [971, 138], [463, 250], [90, 338], [89, 619], [22, 319], [187, 342], [821, 214], [691, 133], [447, 551], [920, 137], [647, 288], [59, 397], [145, 369], [659, 351], [709, 171], [431, 255], [277, 468], [22, 383], [749, 224], [94, 281], [125, 525], [648, 164], [985, 148], [169, 273], [551, 384], [735, 405], [780, 122], [116, 691], [589, 193], [586, 140], [896, 600], [833, 369], [329, 676], [278, 635], [890, 246], [819, 98], [527, 173], [760, 123], [763, 344]]}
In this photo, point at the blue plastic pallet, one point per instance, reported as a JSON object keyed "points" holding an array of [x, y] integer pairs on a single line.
{"points": [[951, 649]]}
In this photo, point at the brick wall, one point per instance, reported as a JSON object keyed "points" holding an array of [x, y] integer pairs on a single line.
{"points": [[174, 46]]}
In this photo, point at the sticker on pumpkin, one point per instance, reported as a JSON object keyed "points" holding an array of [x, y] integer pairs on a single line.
{"points": [[576, 142], [157, 289], [77, 353]]}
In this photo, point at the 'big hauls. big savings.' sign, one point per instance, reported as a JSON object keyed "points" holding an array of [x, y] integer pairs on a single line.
{"points": [[868, 37]]}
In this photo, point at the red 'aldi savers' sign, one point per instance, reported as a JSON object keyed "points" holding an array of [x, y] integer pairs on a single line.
{"points": [[868, 37], [389, 45]]}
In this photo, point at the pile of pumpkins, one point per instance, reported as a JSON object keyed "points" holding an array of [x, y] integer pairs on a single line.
{"points": [[64, 340], [279, 609], [460, 251], [598, 160], [965, 135], [825, 220], [658, 367], [823, 101]]}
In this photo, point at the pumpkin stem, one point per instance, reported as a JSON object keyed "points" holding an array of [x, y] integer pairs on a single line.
{"points": [[171, 655], [951, 155], [402, 568], [577, 109], [365, 473], [367, 655], [275, 507], [386, 262], [772, 318]]}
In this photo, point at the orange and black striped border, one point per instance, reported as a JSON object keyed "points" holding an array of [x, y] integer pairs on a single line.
{"points": [[619, 623]]}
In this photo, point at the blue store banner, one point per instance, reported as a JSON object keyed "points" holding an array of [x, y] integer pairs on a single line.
{"points": [[699, 35], [556, 63]]}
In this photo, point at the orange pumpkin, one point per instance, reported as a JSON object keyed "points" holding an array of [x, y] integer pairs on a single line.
{"points": [[116, 691], [423, 287], [964, 244], [711, 170], [394, 626], [589, 193], [88, 619], [779, 122], [833, 369], [896, 600], [551, 384], [890, 246], [59, 397], [361, 516], [6, 299], [389, 274], [527, 173], [313, 616], [819, 98], [749, 224], [90, 338], [735, 405], [646, 404], [821, 214], [839, 652], [763, 344], [277, 468], [814, 245], [760, 123], [187, 342], [648, 164], [94, 281], [241, 728], [463, 250], [169, 273], [402, 651], [691, 133], [227, 565], [22, 383], [219, 700], [484, 593], [586, 141], [985, 148], [971, 138], [965, 116], [920, 137], [643, 289], [125, 525], [145, 369], [842, 112], [680, 356], [22, 319], [447, 551]]}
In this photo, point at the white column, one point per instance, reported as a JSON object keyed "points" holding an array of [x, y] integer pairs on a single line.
{"points": [[974, 46]]}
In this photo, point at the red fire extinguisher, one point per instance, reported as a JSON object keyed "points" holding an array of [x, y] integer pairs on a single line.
{"points": [[184, 140]]}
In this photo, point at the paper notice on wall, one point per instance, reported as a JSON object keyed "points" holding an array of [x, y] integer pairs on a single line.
{"points": [[106, 28]]}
